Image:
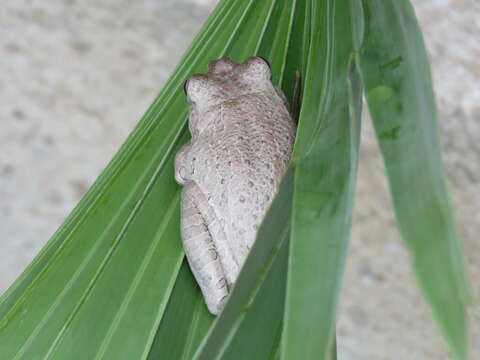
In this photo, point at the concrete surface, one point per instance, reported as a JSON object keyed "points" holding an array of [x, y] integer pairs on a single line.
{"points": [[75, 76]]}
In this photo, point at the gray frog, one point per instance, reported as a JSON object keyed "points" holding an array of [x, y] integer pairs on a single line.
{"points": [[242, 139]]}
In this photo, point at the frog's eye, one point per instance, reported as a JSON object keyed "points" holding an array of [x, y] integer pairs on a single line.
{"points": [[221, 66], [256, 67], [265, 61], [197, 88]]}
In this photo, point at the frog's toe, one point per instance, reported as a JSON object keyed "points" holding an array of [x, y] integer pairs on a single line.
{"points": [[220, 305]]}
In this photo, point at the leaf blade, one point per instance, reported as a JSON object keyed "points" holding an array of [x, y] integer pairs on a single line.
{"points": [[395, 72], [71, 274], [326, 158]]}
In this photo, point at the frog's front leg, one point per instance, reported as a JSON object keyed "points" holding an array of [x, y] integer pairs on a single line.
{"points": [[202, 254]]}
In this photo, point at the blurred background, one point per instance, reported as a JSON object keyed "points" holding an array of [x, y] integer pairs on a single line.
{"points": [[76, 76]]}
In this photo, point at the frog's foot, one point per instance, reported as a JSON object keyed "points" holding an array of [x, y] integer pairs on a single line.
{"points": [[182, 169], [202, 254]]}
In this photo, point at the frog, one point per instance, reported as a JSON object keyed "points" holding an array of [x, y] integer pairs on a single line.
{"points": [[242, 137]]}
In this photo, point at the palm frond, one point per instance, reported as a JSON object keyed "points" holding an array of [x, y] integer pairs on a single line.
{"points": [[112, 282]]}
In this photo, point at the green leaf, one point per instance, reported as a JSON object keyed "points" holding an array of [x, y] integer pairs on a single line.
{"points": [[326, 161], [185, 322], [110, 284], [110, 268], [395, 72]]}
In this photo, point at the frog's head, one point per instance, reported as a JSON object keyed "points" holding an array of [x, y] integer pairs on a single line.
{"points": [[225, 81]]}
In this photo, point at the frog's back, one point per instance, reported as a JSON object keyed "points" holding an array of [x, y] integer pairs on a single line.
{"points": [[242, 138], [240, 162]]}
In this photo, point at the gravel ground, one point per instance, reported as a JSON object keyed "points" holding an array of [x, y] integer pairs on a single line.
{"points": [[75, 77]]}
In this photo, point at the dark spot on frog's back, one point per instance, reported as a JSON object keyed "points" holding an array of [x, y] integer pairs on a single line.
{"points": [[18, 114], [7, 170], [391, 134]]}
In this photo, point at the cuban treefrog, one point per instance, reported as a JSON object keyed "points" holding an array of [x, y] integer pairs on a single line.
{"points": [[242, 139]]}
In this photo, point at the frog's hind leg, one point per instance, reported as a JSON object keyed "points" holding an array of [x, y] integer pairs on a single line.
{"points": [[202, 254]]}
